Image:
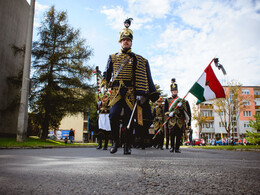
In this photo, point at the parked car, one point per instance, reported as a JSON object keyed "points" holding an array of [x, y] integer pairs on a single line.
{"points": [[220, 143], [196, 142]]}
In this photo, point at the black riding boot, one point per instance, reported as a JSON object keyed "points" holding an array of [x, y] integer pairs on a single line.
{"points": [[99, 144], [127, 149], [114, 147], [105, 145]]}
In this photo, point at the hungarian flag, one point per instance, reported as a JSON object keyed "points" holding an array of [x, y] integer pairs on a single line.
{"points": [[207, 87]]}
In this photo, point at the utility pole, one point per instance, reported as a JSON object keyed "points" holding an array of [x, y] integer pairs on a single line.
{"points": [[23, 108]]}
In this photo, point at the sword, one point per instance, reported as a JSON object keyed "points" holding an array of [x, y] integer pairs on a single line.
{"points": [[129, 123]]}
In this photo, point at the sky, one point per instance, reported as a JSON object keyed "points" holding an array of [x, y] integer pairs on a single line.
{"points": [[179, 38]]}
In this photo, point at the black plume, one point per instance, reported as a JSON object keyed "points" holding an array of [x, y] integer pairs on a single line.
{"points": [[127, 22]]}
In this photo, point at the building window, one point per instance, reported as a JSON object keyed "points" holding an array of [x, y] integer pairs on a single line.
{"points": [[247, 113], [256, 92], [245, 91], [206, 113], [246, 125], [85, 128], [221, 124], [85, 116], [257, 102], [246, 102]]}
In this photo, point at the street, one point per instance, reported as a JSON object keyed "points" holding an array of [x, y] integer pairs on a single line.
{"points": [[150, 171]]}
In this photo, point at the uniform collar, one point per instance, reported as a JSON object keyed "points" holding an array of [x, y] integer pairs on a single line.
{"points": [[128, 51]]}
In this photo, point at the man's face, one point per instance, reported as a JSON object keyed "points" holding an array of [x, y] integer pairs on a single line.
{"points": [[174, 92], [159, 103], [126, 44]]}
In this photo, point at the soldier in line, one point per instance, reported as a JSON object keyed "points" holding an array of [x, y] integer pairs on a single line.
{"points": [[158, 116], [104, 129], [180, 116], [167, 133], [128, 74]]}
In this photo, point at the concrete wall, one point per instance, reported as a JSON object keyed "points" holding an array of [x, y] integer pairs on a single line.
{"points": [[13, 22]]}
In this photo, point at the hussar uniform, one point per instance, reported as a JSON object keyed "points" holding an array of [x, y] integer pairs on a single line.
{"points": [[158, 120], [180, 119], [128, 75], [104, 127]]}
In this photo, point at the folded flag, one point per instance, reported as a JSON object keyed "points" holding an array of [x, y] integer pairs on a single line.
{"points": [[207, 87]]}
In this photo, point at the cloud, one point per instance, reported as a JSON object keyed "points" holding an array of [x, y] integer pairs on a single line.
{"points": [[192, 33], [115, 16], [40, 8], [151, 8], [89, 9], [209, 29], [142, 11]]}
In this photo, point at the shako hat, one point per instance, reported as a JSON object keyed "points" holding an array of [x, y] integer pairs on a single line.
{"points": [[126, 33], [173, 85]]}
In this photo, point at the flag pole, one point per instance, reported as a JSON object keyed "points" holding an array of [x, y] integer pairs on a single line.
{"points": [[177, 105]]}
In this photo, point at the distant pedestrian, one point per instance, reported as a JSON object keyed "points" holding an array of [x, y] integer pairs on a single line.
{"points": [[66, 140], [244, 141], [71, 136], [239, 141], [190, 136]]}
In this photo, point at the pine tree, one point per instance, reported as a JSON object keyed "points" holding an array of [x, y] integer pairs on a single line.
{"points": [[59, 81]]}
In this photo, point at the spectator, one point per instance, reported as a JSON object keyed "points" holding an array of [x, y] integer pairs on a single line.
{"points": [[71, 135], [239, 141], [244, 141]]}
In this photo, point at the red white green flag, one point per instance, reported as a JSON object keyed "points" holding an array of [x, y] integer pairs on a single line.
{"points": [[207, 87]]}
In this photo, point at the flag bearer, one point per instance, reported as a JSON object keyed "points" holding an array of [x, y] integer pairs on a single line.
{"points": [[180, 115]]}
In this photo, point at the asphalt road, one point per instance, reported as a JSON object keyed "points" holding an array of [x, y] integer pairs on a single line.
{"points": [[150, 171]]}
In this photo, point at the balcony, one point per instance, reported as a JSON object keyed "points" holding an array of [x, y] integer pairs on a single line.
{"points": [[257, 107], [207, 130], [208, 118], [206, 106], [257, 96]]}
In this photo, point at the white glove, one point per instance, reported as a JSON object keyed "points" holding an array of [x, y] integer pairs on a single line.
{"points": [[99, 103], [140, 99], [171, 114], [179, 104]]}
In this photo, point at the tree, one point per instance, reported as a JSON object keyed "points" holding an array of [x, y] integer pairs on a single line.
{"points": [[198, 117], [254, 135], [229, 108], [157, 87], [59, 82]]}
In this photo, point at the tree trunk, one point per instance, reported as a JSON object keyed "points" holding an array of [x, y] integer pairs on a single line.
{"points": [[45, 126]]}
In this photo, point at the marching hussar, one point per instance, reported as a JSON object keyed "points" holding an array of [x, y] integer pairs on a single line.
{"points": [[158, 116], [180, 116], [128, 74], [104, 128]]}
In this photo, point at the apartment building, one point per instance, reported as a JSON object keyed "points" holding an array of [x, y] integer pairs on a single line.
{"points": [[249, 96]]}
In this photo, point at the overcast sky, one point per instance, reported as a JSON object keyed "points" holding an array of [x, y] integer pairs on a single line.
{"points": [[178, 37]]}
